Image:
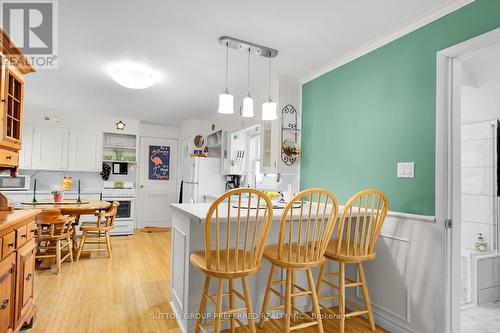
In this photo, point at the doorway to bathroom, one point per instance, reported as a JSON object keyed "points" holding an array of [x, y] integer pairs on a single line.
{"points": [[469, 77]]}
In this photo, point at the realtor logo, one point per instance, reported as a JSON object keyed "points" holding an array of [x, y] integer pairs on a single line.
{"points": [[32, 25]]}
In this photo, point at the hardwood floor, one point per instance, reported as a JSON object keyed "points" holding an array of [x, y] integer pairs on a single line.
{"points": [[128, 293]]}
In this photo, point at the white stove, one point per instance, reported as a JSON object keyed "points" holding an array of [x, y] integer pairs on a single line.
{"points": [[124, 193]]}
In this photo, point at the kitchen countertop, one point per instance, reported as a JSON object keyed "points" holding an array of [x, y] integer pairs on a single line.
{"points": [[11, 218], [198, 211]]}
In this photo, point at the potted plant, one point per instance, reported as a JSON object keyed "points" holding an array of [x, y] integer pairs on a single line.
{"points": [[57, 195]]}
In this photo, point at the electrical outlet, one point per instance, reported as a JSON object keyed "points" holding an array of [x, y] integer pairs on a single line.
{"points": [[406, 170]]}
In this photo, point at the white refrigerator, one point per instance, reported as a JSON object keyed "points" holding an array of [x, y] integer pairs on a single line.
{"points": [[201, 176]]}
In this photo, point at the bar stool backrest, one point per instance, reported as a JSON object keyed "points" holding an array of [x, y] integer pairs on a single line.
{"points": [[361, 222], [304, 237], [236, 228]]}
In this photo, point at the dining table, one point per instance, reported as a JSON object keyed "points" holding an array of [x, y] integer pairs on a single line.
{"points": [[69, 207]]}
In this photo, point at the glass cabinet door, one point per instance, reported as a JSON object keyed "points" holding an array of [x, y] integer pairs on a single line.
{"points": [[13, 95], [14, 106], [268, 146]]}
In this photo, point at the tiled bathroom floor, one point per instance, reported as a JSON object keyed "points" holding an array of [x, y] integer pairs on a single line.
{"points": [[481, 319]]}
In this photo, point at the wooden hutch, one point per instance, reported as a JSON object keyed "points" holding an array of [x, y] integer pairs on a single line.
{"points": [[17, 243]]}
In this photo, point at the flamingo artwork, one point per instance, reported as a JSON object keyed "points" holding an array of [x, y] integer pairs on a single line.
{"points": [[157, 162], [157, 165]]}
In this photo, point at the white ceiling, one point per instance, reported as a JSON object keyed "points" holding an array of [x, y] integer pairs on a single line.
{"points": [[179, 38]]}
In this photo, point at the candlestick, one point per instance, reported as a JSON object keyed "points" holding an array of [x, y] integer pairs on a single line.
{"points": [[79, 199], [34, 192]]}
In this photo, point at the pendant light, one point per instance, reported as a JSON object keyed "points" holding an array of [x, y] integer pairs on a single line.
{"points": [[226, 99], [269, 107], [247, 109]]}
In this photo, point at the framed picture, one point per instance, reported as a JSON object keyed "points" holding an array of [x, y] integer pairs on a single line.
{"points": [[159, 163]]}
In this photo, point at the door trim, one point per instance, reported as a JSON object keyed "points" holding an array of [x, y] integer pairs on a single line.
{"points": [[447, 130]]}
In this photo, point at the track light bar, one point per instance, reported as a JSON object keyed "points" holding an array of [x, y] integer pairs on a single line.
{"points": [[239, 44]]}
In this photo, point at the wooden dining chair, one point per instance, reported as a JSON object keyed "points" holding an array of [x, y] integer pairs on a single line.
{"points": [[306, 225], [236, 228], [359, 229], [98, 232], [53, 236]]}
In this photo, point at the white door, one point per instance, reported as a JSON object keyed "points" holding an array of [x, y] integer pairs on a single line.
{"points": [[157, 181], [85, 150], [25, 155], [50, 148]]}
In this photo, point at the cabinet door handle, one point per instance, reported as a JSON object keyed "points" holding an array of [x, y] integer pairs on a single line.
{"points": [[4, 304], [11, 245], [29, 276], [23, 236], [9, 157]]}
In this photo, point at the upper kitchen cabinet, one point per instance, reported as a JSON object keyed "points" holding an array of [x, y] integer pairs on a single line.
{"points": [[65, 149], [270, 147], [13, 66], [50, 148], [219, 146], [85, 150], [13, 98]]}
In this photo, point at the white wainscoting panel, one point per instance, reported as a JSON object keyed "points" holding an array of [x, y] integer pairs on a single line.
{"points": [[178, 266]]}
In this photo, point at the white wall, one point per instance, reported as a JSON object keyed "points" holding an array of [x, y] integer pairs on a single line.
{"points": [[478, 183]]}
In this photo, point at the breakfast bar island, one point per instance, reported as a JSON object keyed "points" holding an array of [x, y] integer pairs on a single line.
{"points": [[188, 236]]}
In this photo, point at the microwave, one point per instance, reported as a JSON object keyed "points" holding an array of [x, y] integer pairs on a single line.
{"points": [[19, 183]]}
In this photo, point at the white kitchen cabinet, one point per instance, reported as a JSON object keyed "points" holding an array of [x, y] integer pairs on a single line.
{"points": [[50, 148], [85, 150], [225, 153], [26, 152], [270, 146]]}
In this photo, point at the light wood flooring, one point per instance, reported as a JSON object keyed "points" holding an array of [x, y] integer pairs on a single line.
{"points": [[128, 293]]}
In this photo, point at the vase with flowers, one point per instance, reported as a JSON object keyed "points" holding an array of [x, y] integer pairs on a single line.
{"points": [[57, 195]]}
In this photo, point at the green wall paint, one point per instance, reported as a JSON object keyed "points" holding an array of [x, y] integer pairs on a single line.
{"points": [[360, 119]]}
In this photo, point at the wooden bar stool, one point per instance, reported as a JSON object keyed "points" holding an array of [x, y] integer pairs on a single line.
{"points": [[53, 235], [359, 228], [306, 225], [238, 233], [98, 232]]}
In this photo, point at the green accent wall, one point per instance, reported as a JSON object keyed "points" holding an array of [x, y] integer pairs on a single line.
{"points": [[360, 119]]}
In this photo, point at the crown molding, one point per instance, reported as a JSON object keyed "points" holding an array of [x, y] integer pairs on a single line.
{"points": [[418, 23], [9, 49]]}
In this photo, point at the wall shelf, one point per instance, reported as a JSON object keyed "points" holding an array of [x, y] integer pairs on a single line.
{"points": [[119, 161], [119, 147]]}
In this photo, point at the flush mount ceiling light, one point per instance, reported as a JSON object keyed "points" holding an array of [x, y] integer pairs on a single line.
{"points": [[246, 109], [133, 75], [120, 125]]}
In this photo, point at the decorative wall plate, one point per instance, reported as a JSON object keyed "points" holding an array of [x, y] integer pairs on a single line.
{"points": [[199, 141]]}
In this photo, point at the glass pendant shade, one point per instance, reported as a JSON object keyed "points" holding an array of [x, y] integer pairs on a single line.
{"points": [[226, 103], [247, 111], [269, 110]]}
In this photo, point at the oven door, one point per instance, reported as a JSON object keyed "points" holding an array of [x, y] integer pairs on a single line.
{"points": [[125, 210]]}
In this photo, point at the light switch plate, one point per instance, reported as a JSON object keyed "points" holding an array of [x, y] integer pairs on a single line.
{"points": [[406, 170]]}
